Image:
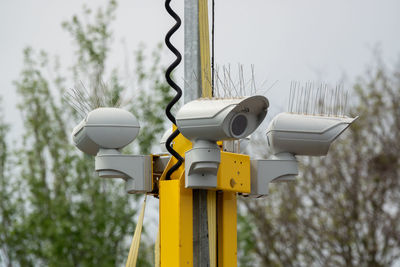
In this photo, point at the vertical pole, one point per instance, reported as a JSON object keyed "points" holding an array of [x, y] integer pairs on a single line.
{"points": [[200, 229], [227, 229], [205, 50], [193, 90]]}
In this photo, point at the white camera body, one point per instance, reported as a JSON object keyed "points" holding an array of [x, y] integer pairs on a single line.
{"points": [[103, 133], [304, 134], [109, 128], [221, 119], [205, 121]]}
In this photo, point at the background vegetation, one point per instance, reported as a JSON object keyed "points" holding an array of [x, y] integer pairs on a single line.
{"points": [[344, 209], [54, 211]]}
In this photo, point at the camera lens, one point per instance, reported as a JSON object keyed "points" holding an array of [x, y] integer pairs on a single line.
{"points": [[239, 125]]}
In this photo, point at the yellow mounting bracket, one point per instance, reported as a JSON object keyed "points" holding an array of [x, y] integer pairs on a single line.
{"points": [[234, 173]]}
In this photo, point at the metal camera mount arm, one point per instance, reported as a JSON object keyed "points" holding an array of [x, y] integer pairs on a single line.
{"points": [[136, 170]]}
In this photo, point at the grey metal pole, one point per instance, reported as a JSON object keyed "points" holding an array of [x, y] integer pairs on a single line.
{"points": [[192, 90]]}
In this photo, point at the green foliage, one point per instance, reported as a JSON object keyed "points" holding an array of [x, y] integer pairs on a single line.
{"points": [[345, 208], [7, 205], [246, 252], [54, 211], [93, 40], [73, 218]]}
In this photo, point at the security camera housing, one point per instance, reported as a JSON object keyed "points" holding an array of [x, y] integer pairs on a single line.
{"points": [[289, 135], [103, 133], [109, 128], [309, 135], [205, 121], [221, 119]]}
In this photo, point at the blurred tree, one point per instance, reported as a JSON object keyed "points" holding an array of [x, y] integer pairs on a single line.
{"points": [[8, 199], [150, 106], [54, 211], [344, 210]]}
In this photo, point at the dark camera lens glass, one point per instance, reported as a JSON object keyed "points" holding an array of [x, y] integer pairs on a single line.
{"points": [[239, 125]]}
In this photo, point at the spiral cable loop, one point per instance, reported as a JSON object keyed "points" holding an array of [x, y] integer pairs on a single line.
{"points": [[175, 87]]}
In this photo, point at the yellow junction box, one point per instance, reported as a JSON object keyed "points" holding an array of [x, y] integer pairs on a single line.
{"points": [[234, 173]]}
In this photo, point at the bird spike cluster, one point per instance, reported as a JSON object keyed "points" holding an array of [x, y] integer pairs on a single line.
{"points": [[323, 100], [230, 84], [83, 100]]}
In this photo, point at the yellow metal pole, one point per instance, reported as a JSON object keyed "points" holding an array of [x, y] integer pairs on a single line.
{"points": [[176, 224], [227, 229], [212, 226]]}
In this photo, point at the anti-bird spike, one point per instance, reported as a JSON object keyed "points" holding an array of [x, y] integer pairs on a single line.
{"points": [[318, 101], [232, 84], [83, 101]]}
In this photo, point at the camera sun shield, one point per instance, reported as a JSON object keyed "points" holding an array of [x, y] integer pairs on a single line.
{"points": [[305, 134], [108, 128]]}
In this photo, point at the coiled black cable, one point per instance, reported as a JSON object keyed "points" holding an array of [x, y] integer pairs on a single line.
{"points": [[174, 86]]}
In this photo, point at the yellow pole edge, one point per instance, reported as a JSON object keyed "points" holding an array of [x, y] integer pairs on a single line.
{"points": [[212, 226], [227, 229], [206, 86], [205, 61]]}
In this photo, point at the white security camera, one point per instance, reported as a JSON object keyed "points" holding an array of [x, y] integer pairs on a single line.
{"points": [[289, 135], [221, 119], [304, 134], [205, 121], [103, 133], [105, 128]]}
